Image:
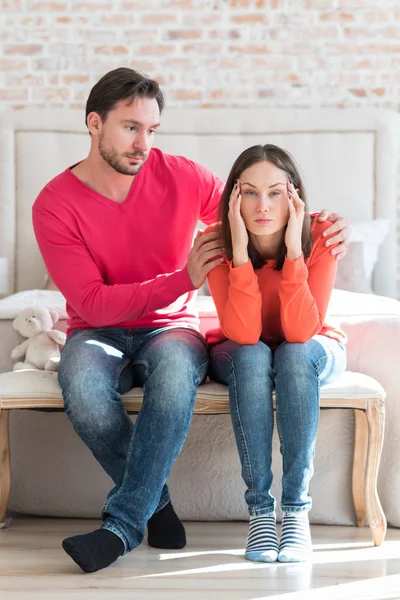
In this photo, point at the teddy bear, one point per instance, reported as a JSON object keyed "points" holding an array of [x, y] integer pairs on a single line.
{"points": [[42, 348]]}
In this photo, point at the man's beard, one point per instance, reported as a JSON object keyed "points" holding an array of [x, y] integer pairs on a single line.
{"points": [[111, 157]]}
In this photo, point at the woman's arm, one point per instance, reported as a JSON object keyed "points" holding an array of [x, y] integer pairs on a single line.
{"points": [[237, 298], [305, 290]]}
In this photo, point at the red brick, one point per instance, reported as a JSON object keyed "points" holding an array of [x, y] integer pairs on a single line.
{"points": [[187, 94], [46, 7], [336, 16], [225, 34], [180, 64], [51, 64], [203, 49], [360, 93], [49, 93], [111, 50], [266, 93], [92, 6], [228, 94], [11, 94], [74, 20], [250, 18], [156, 49], [13, 64], [249, 49], [240, 3], [78, 78], [144, 66], [32, 21], [271, 63], [184, 34], [24, 49], [158, 19], [11, 5], [25, 81]]}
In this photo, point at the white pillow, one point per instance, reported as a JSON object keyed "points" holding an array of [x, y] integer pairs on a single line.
{"points": [[371, 234], [12, 305]]}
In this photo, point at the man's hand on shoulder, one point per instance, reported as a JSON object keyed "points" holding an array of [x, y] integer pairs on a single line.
{"points": [[341, 227], [206, 254]]}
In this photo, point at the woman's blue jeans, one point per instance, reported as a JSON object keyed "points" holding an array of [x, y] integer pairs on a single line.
{"points": [[296, 372], [96, 367]]}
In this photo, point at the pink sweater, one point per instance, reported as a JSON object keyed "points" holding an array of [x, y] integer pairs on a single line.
{"points": [[124, 265]]}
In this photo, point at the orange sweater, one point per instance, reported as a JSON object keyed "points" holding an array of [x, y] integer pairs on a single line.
{"points": [[275, 306]]}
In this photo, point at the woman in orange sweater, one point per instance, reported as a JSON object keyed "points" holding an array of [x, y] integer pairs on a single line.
{"points": [[271, 295]]}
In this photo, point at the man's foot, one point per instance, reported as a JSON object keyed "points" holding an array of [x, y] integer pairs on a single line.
{"points": [[94, 551], [165, 529], [296, 545], [262, 542]]}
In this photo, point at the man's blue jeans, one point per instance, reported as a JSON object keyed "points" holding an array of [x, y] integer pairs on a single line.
{"points": [[296, 371], [96, 367]]}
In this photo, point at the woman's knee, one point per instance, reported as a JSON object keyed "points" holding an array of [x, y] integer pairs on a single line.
{"points": [[293, 358], [246, 363]]}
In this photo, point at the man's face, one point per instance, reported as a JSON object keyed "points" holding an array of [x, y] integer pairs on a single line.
{"points": [[126, 136]]}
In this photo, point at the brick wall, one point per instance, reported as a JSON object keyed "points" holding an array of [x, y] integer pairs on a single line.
{"points": [[210, 53]]}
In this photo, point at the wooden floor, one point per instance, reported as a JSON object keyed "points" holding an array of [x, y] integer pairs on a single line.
{"points": [[345, 565]]}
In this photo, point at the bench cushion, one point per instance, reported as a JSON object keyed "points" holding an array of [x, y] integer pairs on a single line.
{"points": [[40, 389]]}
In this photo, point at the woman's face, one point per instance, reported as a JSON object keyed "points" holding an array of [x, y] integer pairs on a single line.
{"points": [[264, 203]]}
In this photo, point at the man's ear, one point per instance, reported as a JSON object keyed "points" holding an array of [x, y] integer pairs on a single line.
{"points": [[94, 123]]}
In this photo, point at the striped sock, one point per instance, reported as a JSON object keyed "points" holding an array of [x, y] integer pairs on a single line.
{"points": [[295, 545], [262, 542]]}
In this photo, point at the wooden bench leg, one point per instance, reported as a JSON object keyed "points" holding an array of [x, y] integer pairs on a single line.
{"points": [[375, 515], [5, 467], [359, 460]]}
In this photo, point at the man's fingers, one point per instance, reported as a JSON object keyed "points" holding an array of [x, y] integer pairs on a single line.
{"points": [[341, 236], [323, 215], [205, 238], [337, 226], [209, 255], [340, 248], [212, 264], [214, 245]]}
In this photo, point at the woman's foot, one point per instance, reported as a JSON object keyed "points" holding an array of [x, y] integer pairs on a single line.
{"points": [[262, 542], [295, 544]]}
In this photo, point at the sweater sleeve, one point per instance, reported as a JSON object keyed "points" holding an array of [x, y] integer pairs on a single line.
{"points": [[237, 299], [305, 291], [72, 268]]}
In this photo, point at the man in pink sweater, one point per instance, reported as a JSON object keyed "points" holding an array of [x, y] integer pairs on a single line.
{"points": [[116, 232]]}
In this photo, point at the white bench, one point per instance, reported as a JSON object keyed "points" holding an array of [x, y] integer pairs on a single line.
{"points": [[36, 390]]}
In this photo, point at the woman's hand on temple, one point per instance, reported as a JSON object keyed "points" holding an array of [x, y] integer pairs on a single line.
{"points": [[295, 224], [240, 237]]}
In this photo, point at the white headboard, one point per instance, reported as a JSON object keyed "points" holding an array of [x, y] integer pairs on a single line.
{"points": [[349, 158]]}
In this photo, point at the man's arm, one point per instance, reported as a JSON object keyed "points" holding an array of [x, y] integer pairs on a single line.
{"points": [[77, 276]]}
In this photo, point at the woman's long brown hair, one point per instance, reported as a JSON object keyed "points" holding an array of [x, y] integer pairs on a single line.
{"points": [[284, 161]]}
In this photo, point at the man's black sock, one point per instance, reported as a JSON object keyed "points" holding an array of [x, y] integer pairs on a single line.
{"points": [[94, 551], [165, 530]]}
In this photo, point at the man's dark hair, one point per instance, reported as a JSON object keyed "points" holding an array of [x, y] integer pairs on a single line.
{"points": [[121, 84]]}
